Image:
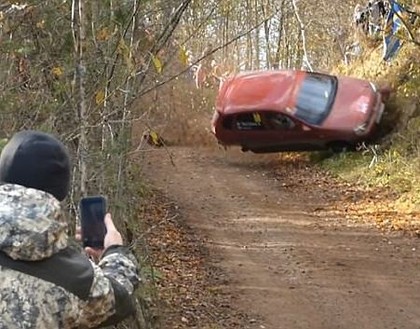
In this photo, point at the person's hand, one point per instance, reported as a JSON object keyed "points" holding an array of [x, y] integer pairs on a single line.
{"points": [[112, 238], [93, 253]]}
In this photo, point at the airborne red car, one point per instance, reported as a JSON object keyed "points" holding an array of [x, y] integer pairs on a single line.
{"points": [[292, 110]]}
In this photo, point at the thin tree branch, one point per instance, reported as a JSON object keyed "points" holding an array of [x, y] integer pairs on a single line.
{"points": [[239, 36]]}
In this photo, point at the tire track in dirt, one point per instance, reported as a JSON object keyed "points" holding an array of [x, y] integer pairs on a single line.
{"points": [[287, 266]]}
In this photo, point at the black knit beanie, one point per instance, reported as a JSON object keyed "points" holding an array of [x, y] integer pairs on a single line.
{"points": [[37, 160]]}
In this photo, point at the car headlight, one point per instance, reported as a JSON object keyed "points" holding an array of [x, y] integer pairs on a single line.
{"points": [[360, 129]]}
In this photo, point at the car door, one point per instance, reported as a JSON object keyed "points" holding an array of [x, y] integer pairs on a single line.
{"points": [[249, 128], [267, 131], [287, 133]]}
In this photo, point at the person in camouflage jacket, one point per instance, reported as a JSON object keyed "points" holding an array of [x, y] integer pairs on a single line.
{"points": [[45, 281]]}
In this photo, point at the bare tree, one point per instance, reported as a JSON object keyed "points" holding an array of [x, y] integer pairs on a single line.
{"points": [[306, 61]]}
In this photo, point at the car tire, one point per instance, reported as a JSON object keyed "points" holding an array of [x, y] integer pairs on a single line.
{"points": [[339, 147]]}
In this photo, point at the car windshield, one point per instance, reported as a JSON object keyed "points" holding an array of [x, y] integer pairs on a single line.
{"points": [[315, 98]]}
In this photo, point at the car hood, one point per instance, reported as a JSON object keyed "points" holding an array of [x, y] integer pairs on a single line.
{"points": [[353, 104]]}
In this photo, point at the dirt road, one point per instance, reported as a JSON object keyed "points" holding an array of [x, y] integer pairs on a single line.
{"points": [[289, 263]]}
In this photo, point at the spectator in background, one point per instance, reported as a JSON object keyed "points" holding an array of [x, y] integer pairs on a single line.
{"points": [[361, 18], [377, 13], [45, 282]]}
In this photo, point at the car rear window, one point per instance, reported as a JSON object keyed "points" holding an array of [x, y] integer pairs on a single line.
{"points": [[315, 98]]}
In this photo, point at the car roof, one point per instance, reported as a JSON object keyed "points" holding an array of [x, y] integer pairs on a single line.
{"points": [[259, 90]]}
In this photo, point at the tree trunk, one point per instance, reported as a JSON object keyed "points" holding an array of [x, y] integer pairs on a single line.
{"points": [[78, 27], [306, 62]]}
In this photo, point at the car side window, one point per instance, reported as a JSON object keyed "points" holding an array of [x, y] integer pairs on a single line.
{"points": [[249, 121], [280, 121]]}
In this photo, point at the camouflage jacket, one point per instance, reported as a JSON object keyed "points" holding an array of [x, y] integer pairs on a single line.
{"points": [[44, 282]]}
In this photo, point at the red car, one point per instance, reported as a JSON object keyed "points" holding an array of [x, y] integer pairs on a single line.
{"points": [[289, 110]]}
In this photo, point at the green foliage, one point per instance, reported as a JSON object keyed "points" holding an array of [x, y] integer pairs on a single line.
{"points": [[348, 166]]}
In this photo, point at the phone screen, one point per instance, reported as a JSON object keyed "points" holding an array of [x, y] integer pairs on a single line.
{"points": [[92, 214]]}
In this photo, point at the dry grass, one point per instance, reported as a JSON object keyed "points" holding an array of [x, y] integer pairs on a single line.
{"points": [[179, 112]]}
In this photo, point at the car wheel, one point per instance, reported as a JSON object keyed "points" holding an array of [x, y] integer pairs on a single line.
{"points": [[339, 147]]}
